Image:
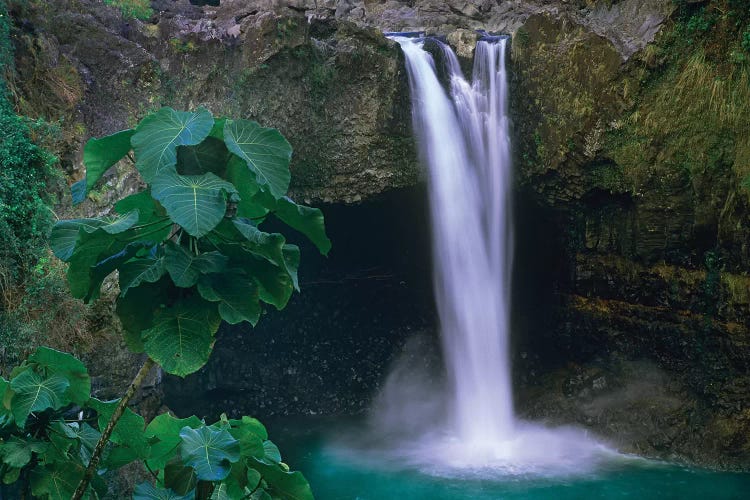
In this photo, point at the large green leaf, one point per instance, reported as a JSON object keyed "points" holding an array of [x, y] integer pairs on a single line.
{"points": [[234, 486], [221, 492], [140, 270], [185, 267], [55, 481], [282, 483], [180, 478], [92, 248], [209, 451], [158, 135], [217, 131], [211, 155], [275, 283], [10, 474], [146, 491], [149, 210], [182, 336], [195, 202], [251, 438], [243, 179], [306, 220], [271, 452], [252, 424], [6, 415], [291, 260], [261, 494], [99, 272], [129, 431], [253, 479], [154, 224], [264, 150], [60, 450], [65, 234], [163, 432], [267, 245], [74, 371], [33, 392], [16, 452], [136, 310], [101, 154], [279, 280], [237, 294], [86, 435]]}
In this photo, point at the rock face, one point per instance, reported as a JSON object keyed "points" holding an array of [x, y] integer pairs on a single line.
{"points": [[337, 92], [632, 305], [635, 179]]}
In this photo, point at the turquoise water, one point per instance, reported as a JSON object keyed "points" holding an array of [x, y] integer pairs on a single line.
{"points": [[337, 473]]}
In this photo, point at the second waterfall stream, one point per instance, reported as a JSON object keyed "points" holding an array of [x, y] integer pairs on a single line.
{"points": [[466, 423]]}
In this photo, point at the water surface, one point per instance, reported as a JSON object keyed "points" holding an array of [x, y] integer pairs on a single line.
{"points": [[315, 447]]}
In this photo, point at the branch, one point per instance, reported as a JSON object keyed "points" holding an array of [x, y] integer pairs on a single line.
{"points": [[107, 433]]}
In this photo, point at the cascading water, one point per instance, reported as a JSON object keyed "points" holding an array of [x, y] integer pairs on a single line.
{"points": [[465, 145], [464, 141]]}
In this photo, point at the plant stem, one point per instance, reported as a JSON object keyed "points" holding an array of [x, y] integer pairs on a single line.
{"points": [[107, 432]]}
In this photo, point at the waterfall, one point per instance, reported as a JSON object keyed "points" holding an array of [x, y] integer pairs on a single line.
{"points": [[463, 137], [464, 142]]}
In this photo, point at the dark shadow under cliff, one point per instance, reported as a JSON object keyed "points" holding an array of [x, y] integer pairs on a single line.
{"points": [[327, 352]]}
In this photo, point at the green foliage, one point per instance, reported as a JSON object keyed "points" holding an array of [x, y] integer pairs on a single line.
{"points": [[49, 427], [746, 39], [183, 47], [39, 448], [24, 216], [6, 46], [138, 9], [700, 22], [189, 249], [32, 293], [695, 108]]}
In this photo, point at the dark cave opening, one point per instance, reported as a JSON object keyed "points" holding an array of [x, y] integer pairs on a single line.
{"points": [[328, 351]]}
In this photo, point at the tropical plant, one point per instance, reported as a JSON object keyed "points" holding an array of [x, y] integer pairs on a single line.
{"points": [[188, 250], [50, 428]]}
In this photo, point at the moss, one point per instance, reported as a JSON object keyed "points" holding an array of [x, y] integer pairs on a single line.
{"points": [[286, 29], [181, 46], [321, 76], [692, 116], [138, 9], [607, 176], [569, 79], [738, 288]]}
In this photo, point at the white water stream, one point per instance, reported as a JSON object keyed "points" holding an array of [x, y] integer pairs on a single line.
{"points": [[464, 141]]}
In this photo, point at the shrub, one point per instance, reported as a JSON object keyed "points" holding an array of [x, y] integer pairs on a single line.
{"points": [[50, 427]]}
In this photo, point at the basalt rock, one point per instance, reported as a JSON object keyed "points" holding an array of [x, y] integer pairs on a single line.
{"points": [[633, 281]]}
